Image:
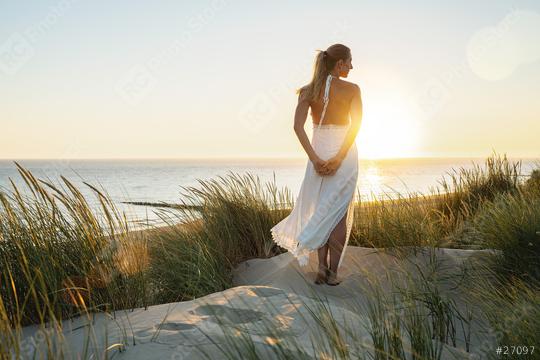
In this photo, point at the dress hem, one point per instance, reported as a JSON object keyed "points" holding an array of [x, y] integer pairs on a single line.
{"points": [[281, 239]]}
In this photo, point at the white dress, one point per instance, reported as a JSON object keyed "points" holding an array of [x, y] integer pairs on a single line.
{"points": [[323, 200]]}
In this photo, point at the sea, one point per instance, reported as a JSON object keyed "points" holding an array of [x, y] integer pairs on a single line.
{"points": [[166, 180]]}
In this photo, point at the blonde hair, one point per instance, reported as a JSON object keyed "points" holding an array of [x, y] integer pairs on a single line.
{"points": [[324, 63]]}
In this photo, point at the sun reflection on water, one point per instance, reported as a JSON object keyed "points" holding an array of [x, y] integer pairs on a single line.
{"points": [[370, 182]]}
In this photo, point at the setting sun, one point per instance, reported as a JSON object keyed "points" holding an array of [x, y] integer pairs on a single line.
{"points": [[389, 130]]}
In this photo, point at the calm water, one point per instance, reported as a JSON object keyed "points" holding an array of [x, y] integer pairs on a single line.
{"points": [[161, 180]]}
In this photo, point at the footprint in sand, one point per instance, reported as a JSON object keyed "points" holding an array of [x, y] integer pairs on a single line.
{"points": [[267, 292], [251, 321], [177, 333], [235, 316], [175, 326]]}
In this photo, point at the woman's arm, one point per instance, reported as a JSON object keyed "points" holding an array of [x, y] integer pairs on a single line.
{"points": [[356, 119], [300, 117]]}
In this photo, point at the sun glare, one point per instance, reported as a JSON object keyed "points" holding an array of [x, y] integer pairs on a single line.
{"points": [[389, 130]]}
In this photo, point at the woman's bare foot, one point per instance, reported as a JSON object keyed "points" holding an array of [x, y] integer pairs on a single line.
{"points": [[331, 279], [322, 275]]}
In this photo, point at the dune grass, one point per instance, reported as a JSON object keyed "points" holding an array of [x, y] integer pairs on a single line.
{"points": [[61, 258], [511, 224], [435, 219], [53, 242]]}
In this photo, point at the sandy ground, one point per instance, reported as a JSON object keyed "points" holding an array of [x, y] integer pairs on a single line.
{"points": [[269, 294]]}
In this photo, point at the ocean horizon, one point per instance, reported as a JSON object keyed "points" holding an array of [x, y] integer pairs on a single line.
{"points": [[162, 180]]}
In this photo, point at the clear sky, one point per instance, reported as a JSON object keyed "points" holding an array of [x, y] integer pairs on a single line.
{"points": [[184, 79]]}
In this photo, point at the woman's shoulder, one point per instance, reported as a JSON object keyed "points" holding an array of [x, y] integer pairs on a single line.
{"points": [[348, 85], [303, 93], [303, 89]]}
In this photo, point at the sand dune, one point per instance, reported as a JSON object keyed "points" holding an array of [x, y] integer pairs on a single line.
{"points": [[270, 295]]}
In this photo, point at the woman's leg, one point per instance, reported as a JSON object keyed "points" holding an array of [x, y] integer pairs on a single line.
{"points": [[323, 264], [323, 256], [336, 243]]}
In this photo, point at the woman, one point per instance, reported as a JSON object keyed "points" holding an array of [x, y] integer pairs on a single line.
{"points": [[322, 216]]}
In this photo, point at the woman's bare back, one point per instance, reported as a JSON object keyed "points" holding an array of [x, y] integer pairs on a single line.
{"points": [[339, 104]]}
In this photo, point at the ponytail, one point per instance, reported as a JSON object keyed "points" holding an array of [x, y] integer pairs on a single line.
{"points": [[324, 63]]}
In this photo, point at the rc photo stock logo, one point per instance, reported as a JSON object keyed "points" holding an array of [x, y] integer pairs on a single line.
{"points": [[15, 52], [19, 47], [136, 85]]}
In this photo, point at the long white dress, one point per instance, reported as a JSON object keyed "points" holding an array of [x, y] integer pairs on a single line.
{"points": [[323, 200]]}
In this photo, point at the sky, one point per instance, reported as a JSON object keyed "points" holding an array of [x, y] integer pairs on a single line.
{"points": [[215, 79]]}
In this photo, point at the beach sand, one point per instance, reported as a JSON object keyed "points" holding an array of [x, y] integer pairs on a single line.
{"points": [[272, 293]]}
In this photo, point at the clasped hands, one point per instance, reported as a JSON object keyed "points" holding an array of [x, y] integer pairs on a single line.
{"points": [[327, 167]]}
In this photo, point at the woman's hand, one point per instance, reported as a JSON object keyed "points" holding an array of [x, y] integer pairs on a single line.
{"points": [[333, 164], [320, 166]]}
